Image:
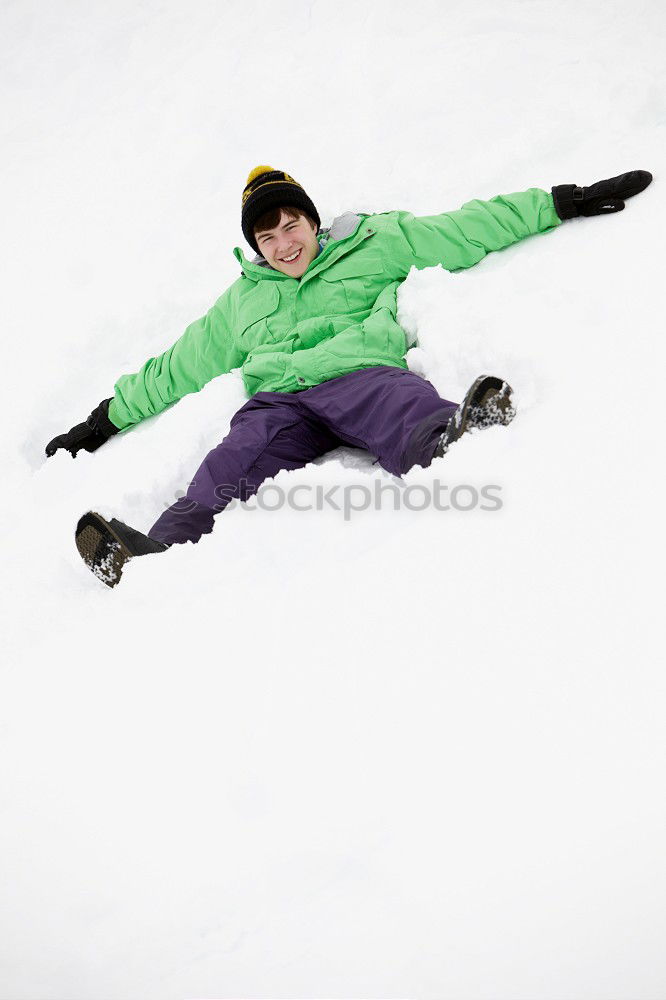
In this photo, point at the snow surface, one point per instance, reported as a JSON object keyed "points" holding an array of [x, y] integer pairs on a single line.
{"points": [[408, 754]]}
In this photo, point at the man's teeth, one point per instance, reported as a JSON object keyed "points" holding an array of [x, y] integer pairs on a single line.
{"points": [[293, 257]]}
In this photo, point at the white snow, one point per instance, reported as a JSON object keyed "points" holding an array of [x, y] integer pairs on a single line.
{"points": [[407, 754]]}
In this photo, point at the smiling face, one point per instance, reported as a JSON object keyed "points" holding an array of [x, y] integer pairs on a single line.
{"points": [[289, 237]]}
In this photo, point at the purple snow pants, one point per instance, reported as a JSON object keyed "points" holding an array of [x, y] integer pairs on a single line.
{"points": [[391, 412]]}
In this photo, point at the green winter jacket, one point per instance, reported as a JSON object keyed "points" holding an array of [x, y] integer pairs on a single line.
{"points": [[287, 334]]}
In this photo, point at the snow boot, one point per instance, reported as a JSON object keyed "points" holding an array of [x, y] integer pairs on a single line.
{"points": [[486, 402], [105, 546]]}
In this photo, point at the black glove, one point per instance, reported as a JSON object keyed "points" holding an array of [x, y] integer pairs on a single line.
{"points": [[89, 435], [601, 198]]}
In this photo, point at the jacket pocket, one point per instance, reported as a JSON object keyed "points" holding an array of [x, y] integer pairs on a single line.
{"points": [[255, 312], [360, 277]]}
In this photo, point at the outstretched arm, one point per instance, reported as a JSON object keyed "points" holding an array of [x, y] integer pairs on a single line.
{"points": [[462, 238], [206, 349]]}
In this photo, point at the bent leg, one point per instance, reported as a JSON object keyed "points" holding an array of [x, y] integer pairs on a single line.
{"points": [[271, 432], [392, 412]]}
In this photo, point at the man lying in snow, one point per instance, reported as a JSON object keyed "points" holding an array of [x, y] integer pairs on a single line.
{"points": [[311, 321]]}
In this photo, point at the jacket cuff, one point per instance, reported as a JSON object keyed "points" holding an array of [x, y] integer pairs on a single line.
{"points": [[566, 201], [99, 419]]}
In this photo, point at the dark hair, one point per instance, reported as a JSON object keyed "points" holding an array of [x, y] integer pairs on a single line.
{"points": [[271, 219]]}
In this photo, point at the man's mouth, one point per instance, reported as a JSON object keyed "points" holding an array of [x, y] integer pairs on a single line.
{"points": [[292, 259]]}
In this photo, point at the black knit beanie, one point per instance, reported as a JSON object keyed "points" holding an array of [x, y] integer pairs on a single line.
{"points": [[266, 189]]}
